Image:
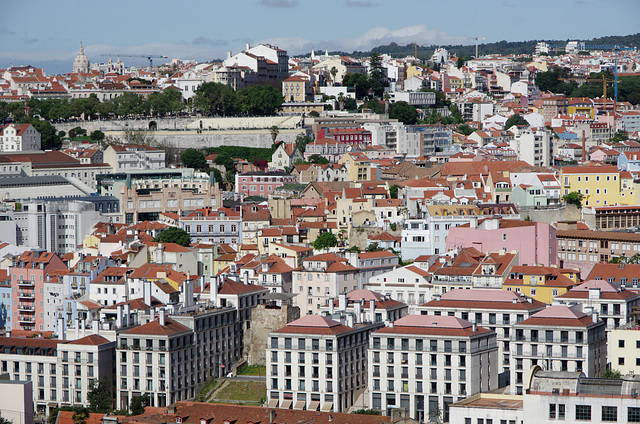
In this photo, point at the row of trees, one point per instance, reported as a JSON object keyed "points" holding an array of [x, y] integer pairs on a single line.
{"points": [[217, 99]]}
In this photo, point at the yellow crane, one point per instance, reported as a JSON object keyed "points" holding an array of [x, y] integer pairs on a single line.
{"points": [[604, 95]]}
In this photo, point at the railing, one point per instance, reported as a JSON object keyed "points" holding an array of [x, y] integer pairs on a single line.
{"points": [[26, 294]]}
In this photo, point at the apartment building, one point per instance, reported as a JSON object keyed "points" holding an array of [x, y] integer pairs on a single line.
{"points": [[613, 304], [210, 225], [408, 284], [133, 156], [541, 282], [62, 372], [169, 358], [496, 310], [320, 278], [595, 246], [261, 183], [19, 137], [366, 306], [558, 338], [601, 185], [316, 363], [424, 363], [622, 349], [28, 275]]}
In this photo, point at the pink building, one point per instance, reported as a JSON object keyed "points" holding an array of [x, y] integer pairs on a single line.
{"points": [[349, 136], [536, 241], [262, 183], [28, 275]]}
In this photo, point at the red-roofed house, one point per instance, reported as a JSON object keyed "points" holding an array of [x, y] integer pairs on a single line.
{"points": [[19, 138], [285, 156]]}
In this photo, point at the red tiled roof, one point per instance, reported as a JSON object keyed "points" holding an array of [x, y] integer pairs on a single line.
{"points": [[153, 328]]}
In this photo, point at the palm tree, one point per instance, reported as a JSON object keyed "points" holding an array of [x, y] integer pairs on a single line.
{"points": [[333, 72], [341, 101], [274, 130], [386, 104]]}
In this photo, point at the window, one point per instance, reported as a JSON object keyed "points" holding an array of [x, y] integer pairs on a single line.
{"points": [[633, 415], [583, 412], [609, 413], [552, 411]]}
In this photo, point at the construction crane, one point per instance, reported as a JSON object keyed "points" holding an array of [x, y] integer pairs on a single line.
{"points": [[148, 57], [478, 38], [604, 95]]}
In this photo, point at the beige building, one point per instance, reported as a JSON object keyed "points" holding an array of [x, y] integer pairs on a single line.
{"points": [[296, 89], [623, 345], [146, 199], [321, 278], [127, 157]]}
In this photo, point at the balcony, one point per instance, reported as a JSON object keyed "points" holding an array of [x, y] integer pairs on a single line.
{"points": [[23, 318], [23, 307], [26, 283], [26, 295]]}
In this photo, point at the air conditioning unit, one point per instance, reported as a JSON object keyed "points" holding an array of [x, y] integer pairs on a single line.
{"points": [[590, 250], [612, 251]]}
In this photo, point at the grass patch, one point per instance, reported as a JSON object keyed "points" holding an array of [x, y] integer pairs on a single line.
{"points": [[206, 391], [259, 370], [245, 391]]}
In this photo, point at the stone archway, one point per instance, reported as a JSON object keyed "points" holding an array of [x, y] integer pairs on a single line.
{"points": [[153, 125]]}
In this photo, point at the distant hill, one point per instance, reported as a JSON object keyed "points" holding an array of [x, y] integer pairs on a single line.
{"points": [[501, 47]]}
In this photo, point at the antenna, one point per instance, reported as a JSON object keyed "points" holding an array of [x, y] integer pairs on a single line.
{"points": [[478, 38]]}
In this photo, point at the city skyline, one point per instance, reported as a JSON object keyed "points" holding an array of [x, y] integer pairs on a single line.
{"points": [[205, 32]]}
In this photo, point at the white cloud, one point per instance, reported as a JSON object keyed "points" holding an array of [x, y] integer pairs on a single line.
{"points": [[373, 37]]}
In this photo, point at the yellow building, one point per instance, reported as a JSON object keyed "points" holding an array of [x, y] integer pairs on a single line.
{"points": [[414, 71], [358, 166], [600, 185], [296, 89], [581, 106], [623, 349], [540, 282]]}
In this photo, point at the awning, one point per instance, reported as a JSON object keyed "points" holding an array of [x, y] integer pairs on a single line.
{"points": [[286, 404], [327, 407], [299, 405], [273, 403], [313, 405]]}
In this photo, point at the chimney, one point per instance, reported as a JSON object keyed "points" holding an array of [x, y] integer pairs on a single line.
{"points": [[126, 315], [162, 318], [228, 54], [188, 292], [160, 253], [201, 285], [61, 332], [342, 302], [214, 291], [475, 327], [357, 310], [584, 148], [331, 306], [95, 327], [246, 278], [119, 316], [248, 46], [272, 415], [350, 320], [594, 316], [84, 325], [372, 310], [77, 328], [146, 288]]}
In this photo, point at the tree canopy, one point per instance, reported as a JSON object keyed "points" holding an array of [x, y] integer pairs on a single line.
{"points": [[193, 158], [515, 119], [137, 404], [403, 112], [174, 235], [325, 241], [99, 397]]}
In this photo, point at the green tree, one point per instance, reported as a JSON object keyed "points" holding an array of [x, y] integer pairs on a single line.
{"points": [[174, 235], [321, 160], [359, 82], [97, 135], [302, 140], [100, 397], [274, 130], [515, 119], [5, 421], [610, 373], [350, 103], [193, 158], [217, 175], [393, 191], [325, 241], [80, 416], [48, 135], [225, 160], [165, 102], [403, 112], [465, 129], [460, 63], [137, 404], [374, 247], [261, 100], [77, 131], [573, 198], [333, 72], [367, 412], [377, 75], [216, 99]]}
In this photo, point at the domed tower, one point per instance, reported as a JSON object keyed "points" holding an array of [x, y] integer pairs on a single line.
{"points": [[81, 62]]}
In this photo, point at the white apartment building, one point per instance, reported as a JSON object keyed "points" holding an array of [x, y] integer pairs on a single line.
{"points": [[558, 338], [62, 371], [316, 363], [408, 284], [425, 363], [371, 264], [320, 278], [497, 310], [366, 306], [532, 146], [19, 137], [170, 358], [573, 398], [132, 156], [612, 302]]}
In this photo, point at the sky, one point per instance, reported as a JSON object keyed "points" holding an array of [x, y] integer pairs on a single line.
{"points": [[47, 34]]}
